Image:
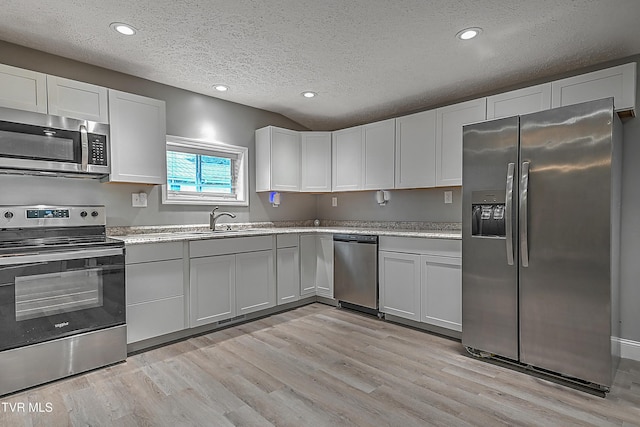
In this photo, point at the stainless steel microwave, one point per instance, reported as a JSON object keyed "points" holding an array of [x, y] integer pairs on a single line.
{"points": [[40, 144]]}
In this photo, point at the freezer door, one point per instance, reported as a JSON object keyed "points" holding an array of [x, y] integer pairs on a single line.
{"points": [[565, 303], [489, 231]]}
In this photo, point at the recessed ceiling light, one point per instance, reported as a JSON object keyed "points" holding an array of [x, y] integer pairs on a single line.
{"points": [[221, 88], [309, 94], [468, 33], [124, 29]]}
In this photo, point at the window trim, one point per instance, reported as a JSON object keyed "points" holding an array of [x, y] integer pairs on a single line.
{"points": [[209, 148]]}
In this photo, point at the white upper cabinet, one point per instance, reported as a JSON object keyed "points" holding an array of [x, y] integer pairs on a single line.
{"points": [[449, 124], [378, 154], [617, 82], [346, 164], [416, 150], [23, 89], [522, 101], [40, 93], [315, 165], [138, 139], [277, 159], [84, 101]]}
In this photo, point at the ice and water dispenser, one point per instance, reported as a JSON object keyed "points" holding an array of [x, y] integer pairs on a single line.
{"points": [[488, 213]]}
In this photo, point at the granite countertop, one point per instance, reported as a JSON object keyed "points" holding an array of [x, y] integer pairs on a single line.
{"points": [[158, 234]]}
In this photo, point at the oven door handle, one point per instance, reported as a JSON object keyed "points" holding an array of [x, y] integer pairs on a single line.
{"points": [[18, 259]]}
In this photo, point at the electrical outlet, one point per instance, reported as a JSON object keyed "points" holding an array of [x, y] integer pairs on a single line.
{"points": [[334, 201], [448, 197], [139, 200]]}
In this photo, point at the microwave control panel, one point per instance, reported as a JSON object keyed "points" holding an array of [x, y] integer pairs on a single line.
{"points": [[97, 149]]}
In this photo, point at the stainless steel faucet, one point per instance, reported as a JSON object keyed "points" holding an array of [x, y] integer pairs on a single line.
{"points": [[213, 217]]}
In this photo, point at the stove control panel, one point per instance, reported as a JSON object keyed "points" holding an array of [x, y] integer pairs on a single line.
{"points": [[51, 216], [47, 213]]}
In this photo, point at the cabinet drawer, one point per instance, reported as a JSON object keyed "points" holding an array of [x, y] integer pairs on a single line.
{"points": [[152, 319], [286, 241], [419, 245], [230, 245], [154, 280], [153, 252]]}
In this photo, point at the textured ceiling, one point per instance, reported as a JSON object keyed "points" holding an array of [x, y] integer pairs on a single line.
{"points": [[367, 59]]}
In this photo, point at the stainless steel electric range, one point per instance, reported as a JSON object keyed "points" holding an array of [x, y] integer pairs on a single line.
{"points": [[62, 294]]}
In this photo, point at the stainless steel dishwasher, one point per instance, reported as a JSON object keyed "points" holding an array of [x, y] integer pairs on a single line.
{"points": [[355, 271]]}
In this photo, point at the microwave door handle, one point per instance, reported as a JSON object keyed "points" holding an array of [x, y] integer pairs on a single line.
{"points": [[508, 216], [524, 206], [84, 144], [59, 256]]}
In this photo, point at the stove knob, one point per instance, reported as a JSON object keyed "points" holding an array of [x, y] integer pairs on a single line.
{"points": [[83, 214], [94, 214], [8, 214]]}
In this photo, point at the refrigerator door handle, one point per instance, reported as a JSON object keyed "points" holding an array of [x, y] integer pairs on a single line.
{"points": [[524, 188], [508, 225]]}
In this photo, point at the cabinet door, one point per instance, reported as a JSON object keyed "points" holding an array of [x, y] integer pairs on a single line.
{"points": [[255, 282], [400, 284], [346, 163], [138, 139], [324, 274], [84, 101], [522, 101], [288, 275], [23, 89], [449, 124], [212, 295], [315, 166], [378, 155], [442, 292], [617, 82], [416, 150], [308, 264], [285, 160], [155, 299]]}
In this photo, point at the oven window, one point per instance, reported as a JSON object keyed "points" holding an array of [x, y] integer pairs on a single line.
{"points": [[44, 295]]}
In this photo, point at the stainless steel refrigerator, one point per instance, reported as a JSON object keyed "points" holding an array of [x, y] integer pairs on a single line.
{"points": [[541, 240]]}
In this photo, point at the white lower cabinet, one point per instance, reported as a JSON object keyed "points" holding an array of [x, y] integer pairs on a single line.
{"points": [[288, 275], [442, 291], [212, 293], [308, 264], [255, 282], [400, 284], [421, 280], [316, 265], [287, 268], [230, 277], [154, 290], [324, 269]]}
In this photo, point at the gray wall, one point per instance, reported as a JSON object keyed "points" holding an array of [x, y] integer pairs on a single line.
{"points": [[187, 114], [403, 205]]}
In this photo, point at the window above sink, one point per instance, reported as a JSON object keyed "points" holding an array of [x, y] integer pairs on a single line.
{"points": [[205, 173]]}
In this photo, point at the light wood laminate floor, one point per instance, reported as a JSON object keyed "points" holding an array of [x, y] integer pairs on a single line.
{"points": [[319, 366]]}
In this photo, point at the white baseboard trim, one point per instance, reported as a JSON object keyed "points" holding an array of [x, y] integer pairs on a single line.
{"points": [[629, 349]]}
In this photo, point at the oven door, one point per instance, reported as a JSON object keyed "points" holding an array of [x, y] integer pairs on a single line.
{"points": [[50, 295]]}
